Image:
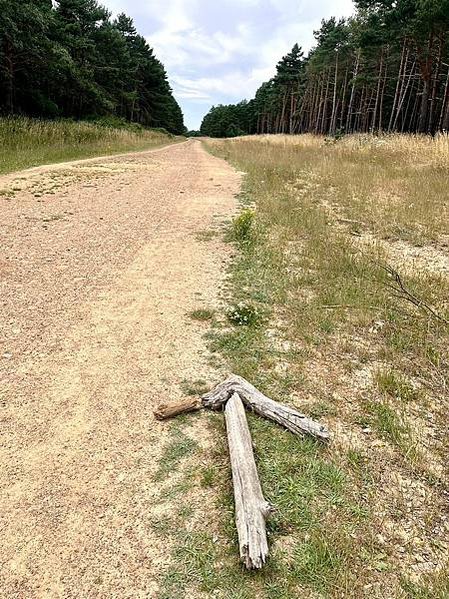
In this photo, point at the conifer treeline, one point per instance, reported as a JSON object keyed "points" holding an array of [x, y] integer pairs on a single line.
{"points": [[68, 58], [385, 69]]}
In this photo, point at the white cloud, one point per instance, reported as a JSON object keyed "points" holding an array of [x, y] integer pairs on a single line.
{"points": [[195, 48], [222, 53], [229, 86]]}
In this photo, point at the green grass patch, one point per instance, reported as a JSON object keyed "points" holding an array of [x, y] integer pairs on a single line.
{"points": [[197, 387], [242, 230], [393, 427], [395, 385], [201, 314], [244, 314], [26, 142], [178, 447]]}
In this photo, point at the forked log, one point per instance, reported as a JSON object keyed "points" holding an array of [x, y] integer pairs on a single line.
{"points": [[251, 509], [165, 411], [287, 417]]}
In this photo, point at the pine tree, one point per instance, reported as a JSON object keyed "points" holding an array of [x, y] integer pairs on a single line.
{"points": [[69, 59], [385, 69]]}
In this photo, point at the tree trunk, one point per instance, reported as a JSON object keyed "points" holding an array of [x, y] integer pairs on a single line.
{"points": [[319, 106], [378, 88], [446, 118], [9, 77], [433, 97], [313, 121], [414, 118], [333, 124], [422, 122], [323, 128], [405, 81], [357, 122], [292, 110], [411, 95], [351, 99], [251, 509], [425, 63], [445, 105], [382, 93], [281, 128], [404, 92], [402, 68], [367, 122], [343, 100]]}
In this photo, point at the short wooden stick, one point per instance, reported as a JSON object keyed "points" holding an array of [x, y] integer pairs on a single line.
{"points": [[251, 509], [165, 411]]}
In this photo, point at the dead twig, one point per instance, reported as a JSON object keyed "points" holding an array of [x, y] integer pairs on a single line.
{"points": [[400, 291]]}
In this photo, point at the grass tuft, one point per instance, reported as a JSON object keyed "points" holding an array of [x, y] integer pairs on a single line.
{"points": [[393, 427], [201, 314], [395, 385], [244, 314], [242, 227]]}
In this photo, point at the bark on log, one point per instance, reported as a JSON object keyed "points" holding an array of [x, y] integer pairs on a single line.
{"points": [[165, 411], [287, 417], [251, 509]]}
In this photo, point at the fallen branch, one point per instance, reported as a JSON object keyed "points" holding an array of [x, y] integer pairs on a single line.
{"points": [[165, 411], [287, 417], [251, 509]]}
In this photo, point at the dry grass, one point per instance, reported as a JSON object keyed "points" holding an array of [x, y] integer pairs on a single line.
{"points": [[337, 341], [28, 142], [415, 149], [395, 186]]}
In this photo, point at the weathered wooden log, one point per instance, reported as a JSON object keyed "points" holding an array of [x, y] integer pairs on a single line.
{"points": [[165, 411], [287, 417], [251, 509]]}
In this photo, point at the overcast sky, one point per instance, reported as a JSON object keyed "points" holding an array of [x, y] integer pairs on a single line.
{"points": [[220, 51]]}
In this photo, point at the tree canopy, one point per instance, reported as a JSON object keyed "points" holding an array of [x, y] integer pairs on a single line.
{"points": [[68, 58], [385, 69]]}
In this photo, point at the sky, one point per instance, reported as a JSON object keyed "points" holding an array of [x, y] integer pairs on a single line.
{"points": [[220, 51]]}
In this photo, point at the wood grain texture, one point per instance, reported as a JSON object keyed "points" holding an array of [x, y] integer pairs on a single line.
{"points": [[251, 509], [166, 411], [287, 417]]}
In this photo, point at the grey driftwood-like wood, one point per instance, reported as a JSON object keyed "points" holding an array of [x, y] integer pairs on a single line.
{"points": [[165, 411], [287, 417], [251, 509]]}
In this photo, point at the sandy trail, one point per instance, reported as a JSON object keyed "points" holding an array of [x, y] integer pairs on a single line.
{"points": [[100, 263]]}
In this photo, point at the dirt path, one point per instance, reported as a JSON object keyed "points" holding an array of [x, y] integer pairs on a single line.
{"points": [[101, 262]]}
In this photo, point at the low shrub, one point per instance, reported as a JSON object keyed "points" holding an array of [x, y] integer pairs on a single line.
{"points": [[242, 227]]}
